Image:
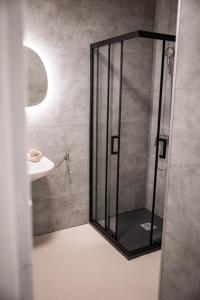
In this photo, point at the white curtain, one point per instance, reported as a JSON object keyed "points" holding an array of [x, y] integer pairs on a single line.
{"points": [[15, 216]]}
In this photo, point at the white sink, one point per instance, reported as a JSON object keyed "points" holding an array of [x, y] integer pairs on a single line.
{"points": [[40, 169]]}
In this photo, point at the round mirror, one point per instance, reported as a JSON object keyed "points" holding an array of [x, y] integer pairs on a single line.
{"points": [[37, 82]]}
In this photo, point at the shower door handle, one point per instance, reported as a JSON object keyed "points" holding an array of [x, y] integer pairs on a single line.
{"points": [[164, 147], [113, 138]]}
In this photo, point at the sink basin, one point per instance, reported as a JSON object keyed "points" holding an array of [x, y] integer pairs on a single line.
{"points": [[40, 169]]}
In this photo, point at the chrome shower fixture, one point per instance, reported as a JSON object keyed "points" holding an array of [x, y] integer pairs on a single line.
{"points": [[169, 53], [65, 157]]}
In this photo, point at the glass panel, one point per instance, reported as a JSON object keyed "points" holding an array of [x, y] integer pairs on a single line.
{"points": [[136, 96], [101, 133], [94, 137], [164, 135], [113, 136], [158, 47], [138, 133]]}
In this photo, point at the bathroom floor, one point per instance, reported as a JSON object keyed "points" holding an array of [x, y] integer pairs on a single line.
{"points": [[78, 263]]}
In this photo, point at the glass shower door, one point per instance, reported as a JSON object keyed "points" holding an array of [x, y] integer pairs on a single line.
{"points": [[113, 148], [105, 136], [134, 220], [100, 136]]}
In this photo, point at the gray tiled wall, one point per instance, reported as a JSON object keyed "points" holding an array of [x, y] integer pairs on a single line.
{"points": [[180, 274], [60, 32]]}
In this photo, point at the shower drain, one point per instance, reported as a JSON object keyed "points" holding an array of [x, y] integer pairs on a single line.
{"points": [[147, 226]]}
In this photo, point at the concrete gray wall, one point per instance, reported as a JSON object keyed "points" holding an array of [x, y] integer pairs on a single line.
{"points": [[180, 273], [60, 32]]}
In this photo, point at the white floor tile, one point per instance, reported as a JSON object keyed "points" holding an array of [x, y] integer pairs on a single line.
{"points": [[79, 264]]}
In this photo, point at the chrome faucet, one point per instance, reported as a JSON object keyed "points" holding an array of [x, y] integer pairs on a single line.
{"points": [[65, 157]]}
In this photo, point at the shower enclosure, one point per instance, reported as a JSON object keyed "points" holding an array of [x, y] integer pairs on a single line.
{"points": [[131, 87]]}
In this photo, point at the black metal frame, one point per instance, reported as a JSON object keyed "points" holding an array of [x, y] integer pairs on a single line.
{"points": [[112, 150], [110, 236]]}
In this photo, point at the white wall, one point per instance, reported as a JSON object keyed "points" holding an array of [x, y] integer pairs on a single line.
{"points": [[15, 225]]}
